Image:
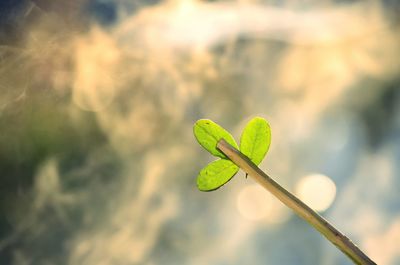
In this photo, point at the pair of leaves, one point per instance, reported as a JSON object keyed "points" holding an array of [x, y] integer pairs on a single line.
{"points": [[254, 143]]}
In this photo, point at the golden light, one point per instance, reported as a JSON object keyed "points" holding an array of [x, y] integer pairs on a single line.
{"points": [[317, 191], [255, 203], [96, 59]]}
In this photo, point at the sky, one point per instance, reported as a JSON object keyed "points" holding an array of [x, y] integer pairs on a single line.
{"points": [[98, 162]]}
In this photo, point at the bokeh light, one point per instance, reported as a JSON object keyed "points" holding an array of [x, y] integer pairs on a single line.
{"points": [[317, 191], [256, 204]]}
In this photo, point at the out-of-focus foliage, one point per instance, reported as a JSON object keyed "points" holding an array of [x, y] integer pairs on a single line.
{"points": [[98, 100]]}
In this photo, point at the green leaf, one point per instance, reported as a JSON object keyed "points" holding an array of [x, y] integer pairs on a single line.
{"points": [[255, 140], [216, 174], [208, 133]]}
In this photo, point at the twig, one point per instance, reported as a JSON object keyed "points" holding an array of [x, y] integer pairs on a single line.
{"points": [[300, 208]]}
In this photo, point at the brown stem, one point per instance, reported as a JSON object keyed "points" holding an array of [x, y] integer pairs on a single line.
{"points": [[300, 208]]}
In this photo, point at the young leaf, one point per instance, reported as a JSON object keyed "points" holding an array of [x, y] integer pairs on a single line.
{"points": [[208, 133], [216, 174], [255, 140]]}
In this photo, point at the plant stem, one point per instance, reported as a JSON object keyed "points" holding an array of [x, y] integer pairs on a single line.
{"points": [[300, 208]]}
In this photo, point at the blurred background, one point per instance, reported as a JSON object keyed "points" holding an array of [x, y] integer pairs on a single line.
{"points": [[98, 162]]}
